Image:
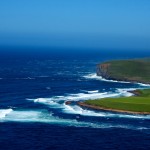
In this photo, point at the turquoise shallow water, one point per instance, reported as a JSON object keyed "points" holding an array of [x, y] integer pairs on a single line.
{"points": [[33, 113]]}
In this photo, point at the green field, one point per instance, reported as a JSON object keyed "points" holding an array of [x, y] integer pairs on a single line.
{"points": [[129, 70], [139, 103]]}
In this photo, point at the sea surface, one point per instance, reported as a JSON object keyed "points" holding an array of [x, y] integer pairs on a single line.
{"points": [[34, 87]]}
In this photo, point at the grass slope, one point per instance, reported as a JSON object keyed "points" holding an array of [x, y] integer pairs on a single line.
{"points": [[139, 103], [132, 70]]}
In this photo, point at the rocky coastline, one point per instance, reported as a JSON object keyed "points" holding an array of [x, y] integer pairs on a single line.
{"points": [[82, 104], [135, 71]]}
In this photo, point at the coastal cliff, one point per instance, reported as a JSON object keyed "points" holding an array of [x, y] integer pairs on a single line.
{"points": [[135, 70], [103, 70]]}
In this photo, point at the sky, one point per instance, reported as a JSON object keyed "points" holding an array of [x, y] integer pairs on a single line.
{"points": [[108, 24]]}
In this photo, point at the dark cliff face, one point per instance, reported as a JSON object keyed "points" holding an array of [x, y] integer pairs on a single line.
{"points": [[103, 70]]}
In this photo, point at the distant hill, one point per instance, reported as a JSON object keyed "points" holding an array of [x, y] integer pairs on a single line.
{"points": [[133, 70]]}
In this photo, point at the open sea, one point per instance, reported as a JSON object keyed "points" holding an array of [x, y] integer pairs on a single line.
{"points": [[34, 86]]}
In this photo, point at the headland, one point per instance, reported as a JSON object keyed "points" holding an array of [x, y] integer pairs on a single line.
{"points": [[133, 70]]}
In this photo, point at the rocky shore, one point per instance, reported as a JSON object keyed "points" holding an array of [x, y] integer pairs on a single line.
{"points": [[135, 70], [82, 104], [137, 93]]}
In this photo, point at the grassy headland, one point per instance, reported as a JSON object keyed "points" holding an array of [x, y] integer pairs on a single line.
{"points": [[135, 70], [134, 104]]}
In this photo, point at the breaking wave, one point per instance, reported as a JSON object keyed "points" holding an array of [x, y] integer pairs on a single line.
{"points": [[96, 91], [4, 112], [85, 112], [59, 102], [145, 85], [95, 77], [42, 116], [85, 96]]}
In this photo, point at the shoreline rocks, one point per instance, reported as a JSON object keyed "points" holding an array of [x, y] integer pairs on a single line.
{"points": [[82, 104]]}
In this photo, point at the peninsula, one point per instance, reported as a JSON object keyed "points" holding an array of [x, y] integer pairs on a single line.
{"points": [[135, 70], [135, 104]]}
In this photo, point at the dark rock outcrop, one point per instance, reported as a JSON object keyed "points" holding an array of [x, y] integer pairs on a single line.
{"points": [[68, 102], [103, 70]]}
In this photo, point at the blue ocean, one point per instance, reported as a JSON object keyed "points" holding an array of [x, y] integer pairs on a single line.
{"points": [[34, 87]]}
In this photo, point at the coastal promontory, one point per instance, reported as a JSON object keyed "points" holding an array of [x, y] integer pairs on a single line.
{"points": [[132, 70], [135, 71]]}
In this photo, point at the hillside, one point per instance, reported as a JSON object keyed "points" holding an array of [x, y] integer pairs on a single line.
{"points": [[135, 104], [135, 70]]}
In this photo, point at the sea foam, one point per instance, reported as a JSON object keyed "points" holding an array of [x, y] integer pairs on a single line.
{"points": [[59, 102], [94, 76], [4, 112], [43, 116]]}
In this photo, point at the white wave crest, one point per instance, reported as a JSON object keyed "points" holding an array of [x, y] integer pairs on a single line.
{"points": [[80, 111], [95, 77], [145, 85], [54, 101], [42, 116], [125, 92], [96, 91], [45, 117], [85, 112], [4, 112], [59, 102]]}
